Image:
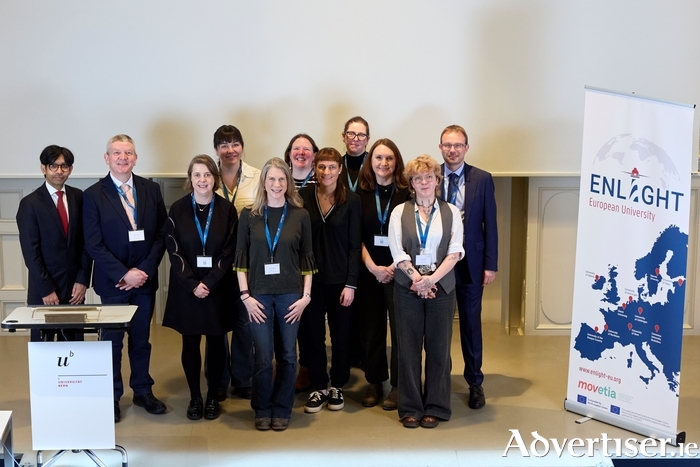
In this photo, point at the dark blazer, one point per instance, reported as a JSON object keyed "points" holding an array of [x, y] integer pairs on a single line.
{"points": [[55, 262], [184, 312], [107, 234], [480, 229]]}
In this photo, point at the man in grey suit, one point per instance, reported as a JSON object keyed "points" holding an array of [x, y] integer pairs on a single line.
{"points": [[50, 223]]}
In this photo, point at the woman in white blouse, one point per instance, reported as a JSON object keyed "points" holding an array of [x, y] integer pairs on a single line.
{"points": [[239, 185], [425, 238]]}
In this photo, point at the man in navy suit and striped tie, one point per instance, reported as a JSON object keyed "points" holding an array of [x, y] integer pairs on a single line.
{"points": [[472, 191]]}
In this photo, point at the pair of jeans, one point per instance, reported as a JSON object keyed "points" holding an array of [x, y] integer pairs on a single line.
{"points": [[274, 398], [424, 324]]}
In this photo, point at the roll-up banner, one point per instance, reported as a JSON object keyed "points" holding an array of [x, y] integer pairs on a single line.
{"points": [[631, 258]]}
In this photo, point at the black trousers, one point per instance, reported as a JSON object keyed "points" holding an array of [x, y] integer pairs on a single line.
{"points": [[374, 301], [325, 301]]}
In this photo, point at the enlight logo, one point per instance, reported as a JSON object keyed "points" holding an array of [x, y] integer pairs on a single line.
{"points": [[602, 390], [650, 196]]}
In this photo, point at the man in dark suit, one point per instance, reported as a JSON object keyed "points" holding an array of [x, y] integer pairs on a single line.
{"points": [[472, 191], [50, 222], [124, 216]]}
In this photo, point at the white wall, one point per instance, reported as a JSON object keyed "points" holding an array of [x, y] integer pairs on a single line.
{"points": [[168, 73]]}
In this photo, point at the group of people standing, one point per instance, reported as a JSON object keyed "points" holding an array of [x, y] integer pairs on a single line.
{"points": [[274, 254]]}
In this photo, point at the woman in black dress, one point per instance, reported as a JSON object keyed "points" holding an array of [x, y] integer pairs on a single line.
{"points": [[201, 240], [382, 188]]}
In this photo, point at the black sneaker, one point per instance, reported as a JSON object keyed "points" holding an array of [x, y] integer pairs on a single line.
{"points": [[315, 402], [335, 399]]}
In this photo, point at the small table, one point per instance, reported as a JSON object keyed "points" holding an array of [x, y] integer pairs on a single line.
{"points": [[6, 430], [97, 317]]}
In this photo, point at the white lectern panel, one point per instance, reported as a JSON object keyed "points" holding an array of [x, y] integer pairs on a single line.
{"points": [[71, 394]]}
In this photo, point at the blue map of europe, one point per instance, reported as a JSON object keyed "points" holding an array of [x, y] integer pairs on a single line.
{"points": [[646, 320]]}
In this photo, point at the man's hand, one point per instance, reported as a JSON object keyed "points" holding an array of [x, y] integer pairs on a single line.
{"points": [[489, 276], [78, 295], [51, 299], [133, 279]]}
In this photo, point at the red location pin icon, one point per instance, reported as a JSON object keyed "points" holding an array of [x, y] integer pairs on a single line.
{"points": [[624, 305], [596, 328], [656, 328], [597, 277], [605, 327], [630, 299], [657, 271], [639, 310], [629, 326], [680, 281]]}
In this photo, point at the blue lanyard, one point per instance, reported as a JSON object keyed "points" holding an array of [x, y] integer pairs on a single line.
{"points": [[353, 186], [453, 195], [423, 236], [123, 195], [382, 216], [203, 235], [225, 190], [272, 245], [308, 177]]}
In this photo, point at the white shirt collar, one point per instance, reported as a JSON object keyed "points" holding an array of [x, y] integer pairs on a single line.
{"points": [[52, 190], [118, 183], [458, 171]]}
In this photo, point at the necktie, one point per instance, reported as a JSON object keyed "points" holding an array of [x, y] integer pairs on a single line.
{"points": [[452, 186], [62, 213], [129, 204]]}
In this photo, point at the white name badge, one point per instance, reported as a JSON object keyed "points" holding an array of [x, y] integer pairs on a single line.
{"points": [[203, 261], [381, 240], [273, 268], [137, 235], [423, 260]]}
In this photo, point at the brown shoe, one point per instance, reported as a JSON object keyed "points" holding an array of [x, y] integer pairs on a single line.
{"points": [[429, 421], [392, 400], [373, 395], [410, 422], [303, 382]]}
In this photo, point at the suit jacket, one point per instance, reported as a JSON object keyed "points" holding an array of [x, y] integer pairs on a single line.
{"points": [[55, 262], [107, 234], [480, 229]]}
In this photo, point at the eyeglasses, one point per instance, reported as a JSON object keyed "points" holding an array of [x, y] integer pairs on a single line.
{"points": [[424, 178], [358, 136], [449, 146], [63, 167]]}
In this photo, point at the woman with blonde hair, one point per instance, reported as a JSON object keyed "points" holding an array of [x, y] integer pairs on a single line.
{"points": [[425, 239], [274, 262]]}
